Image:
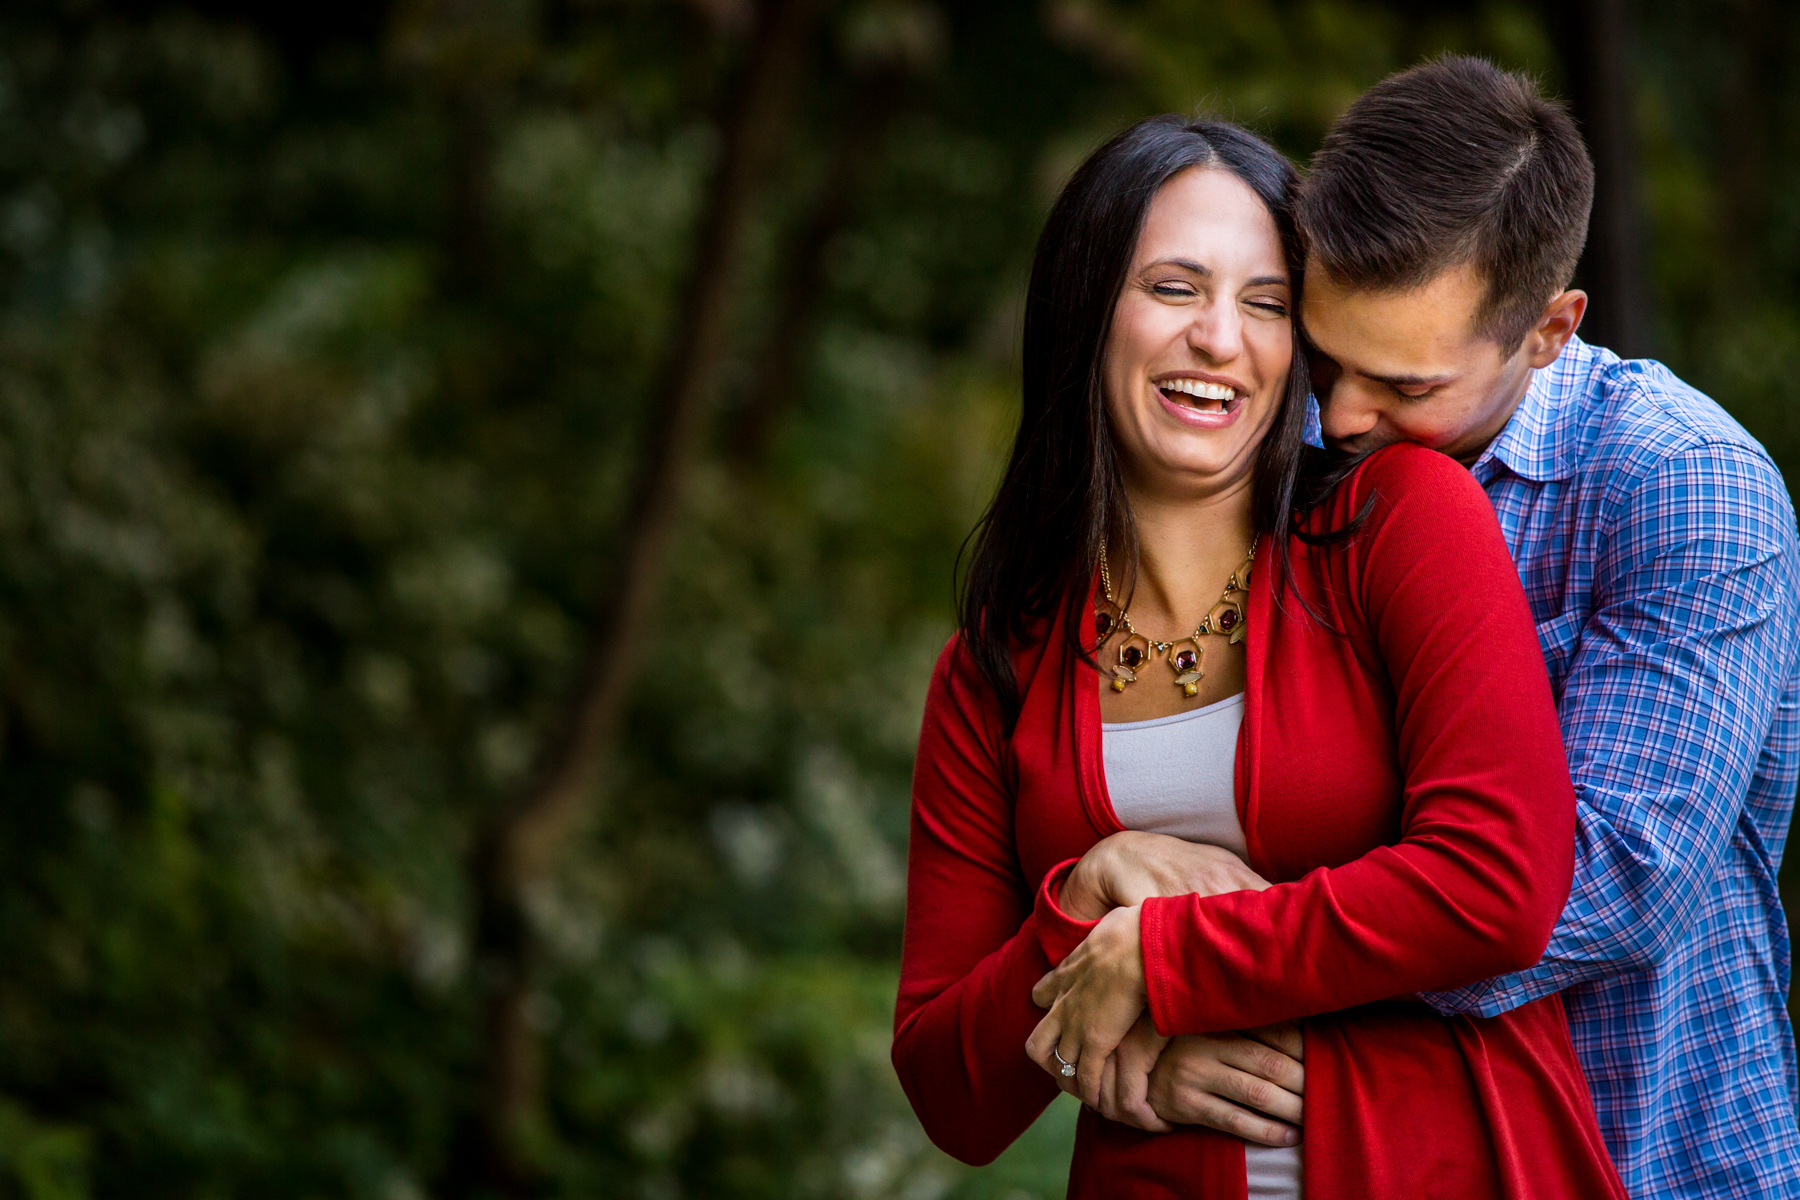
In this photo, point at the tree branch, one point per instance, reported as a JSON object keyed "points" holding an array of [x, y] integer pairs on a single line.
{"points": [[779, 375], [521, 846], [1594, 40]]}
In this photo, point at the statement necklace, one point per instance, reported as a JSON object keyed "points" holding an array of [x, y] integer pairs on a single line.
{"points": [[1186, 655]]}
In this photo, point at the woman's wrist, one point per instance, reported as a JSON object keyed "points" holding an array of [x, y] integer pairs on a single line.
{"points": [[1083, 895], [1121, 932]]}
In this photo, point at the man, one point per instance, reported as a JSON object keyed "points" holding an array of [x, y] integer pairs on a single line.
{"points": [[1444, 216]]}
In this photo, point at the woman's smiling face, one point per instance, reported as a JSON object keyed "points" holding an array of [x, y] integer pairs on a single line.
{"points": [[1202, 339]]}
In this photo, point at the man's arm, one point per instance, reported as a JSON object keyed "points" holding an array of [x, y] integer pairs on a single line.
{"points": [[1664, 712], [1480, 872]]}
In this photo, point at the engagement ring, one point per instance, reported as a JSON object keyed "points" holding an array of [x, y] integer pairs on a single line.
{"points": [[1068, 1068]]}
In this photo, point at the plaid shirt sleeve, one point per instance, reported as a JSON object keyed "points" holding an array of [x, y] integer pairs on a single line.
{"points": [[1665, 707]]}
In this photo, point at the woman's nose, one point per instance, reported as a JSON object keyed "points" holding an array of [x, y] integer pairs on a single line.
{"points": [[1218, 332]]}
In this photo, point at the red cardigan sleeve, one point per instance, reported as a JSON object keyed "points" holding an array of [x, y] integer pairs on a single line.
{"points": [[1482, 868], [971, 951]]}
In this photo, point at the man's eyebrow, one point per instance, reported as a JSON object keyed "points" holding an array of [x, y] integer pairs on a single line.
{"points": [[1400, 381]]}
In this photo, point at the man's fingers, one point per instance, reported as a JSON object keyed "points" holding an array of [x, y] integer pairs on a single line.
{"points": [[1109, 1089], [1127, 1082], [1138, 1116], [1259, 1095], [1225, 1083], [1180, 1099], [1283, 1036], [1241, 1122], [1288, 1075], [1113, 1080]]}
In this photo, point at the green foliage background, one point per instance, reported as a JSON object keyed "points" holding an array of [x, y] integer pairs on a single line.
{"points": [[304, 498]]}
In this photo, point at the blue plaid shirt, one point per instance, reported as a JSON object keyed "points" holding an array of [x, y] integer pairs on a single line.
{"points": [[1657, 546]]}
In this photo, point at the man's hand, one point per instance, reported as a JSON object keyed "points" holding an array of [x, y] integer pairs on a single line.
{"points": [[1234, 1082], [1125, 1080], [1128, 868], [1097, 1000], [1094, 998]]}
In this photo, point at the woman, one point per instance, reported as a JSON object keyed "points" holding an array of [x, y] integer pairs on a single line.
{"points": [[1180, 622]]}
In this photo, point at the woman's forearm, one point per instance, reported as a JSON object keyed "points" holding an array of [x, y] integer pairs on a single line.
{"points": [[972, 947], [960, 1054]]}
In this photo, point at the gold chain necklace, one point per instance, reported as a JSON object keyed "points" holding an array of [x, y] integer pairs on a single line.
{"points": [[1185, 656]]}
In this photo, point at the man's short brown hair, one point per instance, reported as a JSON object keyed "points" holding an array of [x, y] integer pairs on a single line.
{"points": [[1449, 163]]}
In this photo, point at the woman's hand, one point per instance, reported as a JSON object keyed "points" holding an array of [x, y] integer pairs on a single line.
{"points": [[1094, 998], [1232, 1082], [1130, 867]]}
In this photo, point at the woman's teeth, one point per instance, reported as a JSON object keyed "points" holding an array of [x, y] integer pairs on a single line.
{"points": [[1207, 397]]}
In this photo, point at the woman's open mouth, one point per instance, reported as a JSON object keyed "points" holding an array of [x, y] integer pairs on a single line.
{"points": [[1200, 402]]}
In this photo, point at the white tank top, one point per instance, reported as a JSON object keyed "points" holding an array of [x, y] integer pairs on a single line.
{"points": [[1174, 775]]}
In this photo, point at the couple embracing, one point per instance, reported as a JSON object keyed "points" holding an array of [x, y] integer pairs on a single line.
{"points": [[1419, 780]]}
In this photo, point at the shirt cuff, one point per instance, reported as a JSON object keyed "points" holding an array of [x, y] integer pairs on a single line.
{"points": [[1489, 998], [1058, 932], [1159, 971]]}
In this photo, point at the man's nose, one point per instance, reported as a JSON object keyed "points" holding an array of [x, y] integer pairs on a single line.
{"points": [[1346, 411]]}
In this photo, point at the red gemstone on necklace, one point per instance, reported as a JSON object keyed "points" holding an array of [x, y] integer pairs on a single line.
{"points": [[1102, 625], [1132, 656], [1185, 660], [1228, 620]]}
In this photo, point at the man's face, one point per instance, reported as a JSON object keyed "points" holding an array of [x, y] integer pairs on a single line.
{"points": [[1409, 366]]}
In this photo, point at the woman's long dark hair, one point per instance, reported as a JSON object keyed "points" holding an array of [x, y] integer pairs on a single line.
{"points": [[1063, 496]]}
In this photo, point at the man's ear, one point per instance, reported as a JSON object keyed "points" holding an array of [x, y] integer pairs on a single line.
{"points": [[1560, 319]]}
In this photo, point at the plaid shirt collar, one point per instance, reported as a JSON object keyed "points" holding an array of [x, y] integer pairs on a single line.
{"points": [[1542, 440]]}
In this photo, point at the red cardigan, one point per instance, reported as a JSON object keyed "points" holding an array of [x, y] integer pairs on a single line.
{"points": [[1403, 785]]}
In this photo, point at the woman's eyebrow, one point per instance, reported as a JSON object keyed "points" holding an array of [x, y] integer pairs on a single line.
{"points": [[1188, 264]]}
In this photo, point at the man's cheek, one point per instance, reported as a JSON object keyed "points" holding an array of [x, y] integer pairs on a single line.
{"points": [[1432, 434]]}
